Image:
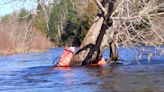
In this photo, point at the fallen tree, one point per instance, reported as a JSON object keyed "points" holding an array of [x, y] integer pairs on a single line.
{"points": [[96, 39], [135, 23]]}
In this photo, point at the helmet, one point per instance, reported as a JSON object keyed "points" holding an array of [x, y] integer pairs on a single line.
{"points": [[72, 49]]}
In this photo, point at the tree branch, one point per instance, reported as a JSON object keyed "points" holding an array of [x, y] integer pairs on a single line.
{"points": [[101, 7], [136, 17], [8, 2]]}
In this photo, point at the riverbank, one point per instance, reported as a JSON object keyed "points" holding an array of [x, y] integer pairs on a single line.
{"points": [[18, 51]]}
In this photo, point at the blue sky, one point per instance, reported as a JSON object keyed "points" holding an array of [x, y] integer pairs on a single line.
{"points": [[7, 7]]}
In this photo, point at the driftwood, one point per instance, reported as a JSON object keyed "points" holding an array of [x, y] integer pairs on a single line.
{"points": [[95, 41]]}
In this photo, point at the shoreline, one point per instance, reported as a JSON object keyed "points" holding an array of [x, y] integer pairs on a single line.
{"points": [[19, 51]]}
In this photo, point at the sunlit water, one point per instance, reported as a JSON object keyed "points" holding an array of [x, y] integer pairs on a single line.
{"points": [[33, 72]]}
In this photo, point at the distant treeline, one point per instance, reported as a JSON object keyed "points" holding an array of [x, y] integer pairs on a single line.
{"points": [[68, 24], [65, 24]]}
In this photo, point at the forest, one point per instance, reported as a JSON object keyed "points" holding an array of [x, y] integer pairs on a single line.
{"points": [[59, 23]]}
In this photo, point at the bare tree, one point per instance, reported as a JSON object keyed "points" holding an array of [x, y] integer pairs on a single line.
{"points": [[135, 22], [20, 34]]}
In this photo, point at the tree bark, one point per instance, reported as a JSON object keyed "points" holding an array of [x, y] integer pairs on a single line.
{"points": [[113, 56], [95, 41]]}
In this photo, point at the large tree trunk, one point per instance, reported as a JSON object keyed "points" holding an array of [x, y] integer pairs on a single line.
{"points": [[95, 41]]}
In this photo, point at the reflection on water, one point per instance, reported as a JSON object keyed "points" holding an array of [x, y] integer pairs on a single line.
{"points": [[33, 72]]}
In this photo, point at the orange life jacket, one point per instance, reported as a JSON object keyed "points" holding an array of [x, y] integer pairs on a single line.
{"points": [[102, 62], [65, 58]]}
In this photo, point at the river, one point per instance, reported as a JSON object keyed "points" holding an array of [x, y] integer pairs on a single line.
{"points": [[34, 72]]}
